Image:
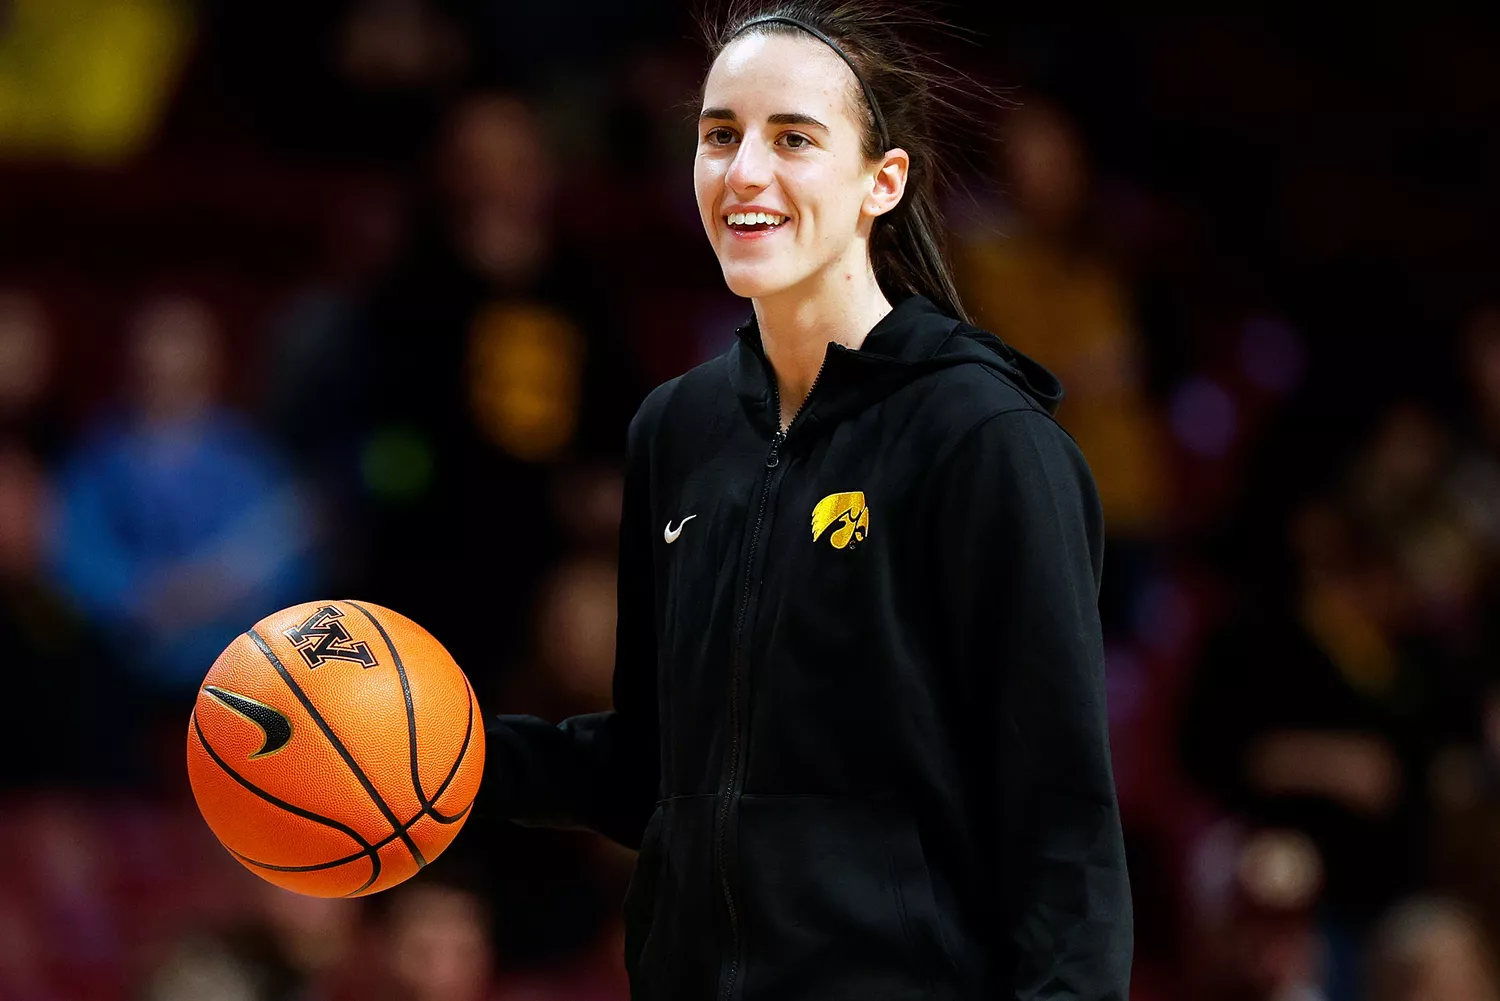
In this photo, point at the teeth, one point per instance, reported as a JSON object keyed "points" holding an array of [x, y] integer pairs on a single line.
{"points": [[754, 219]]}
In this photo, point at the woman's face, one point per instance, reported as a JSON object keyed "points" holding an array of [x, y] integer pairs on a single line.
{"points": [[778, 135]]}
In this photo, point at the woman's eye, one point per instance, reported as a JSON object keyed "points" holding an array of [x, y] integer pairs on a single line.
{"points": [[720, 136], [795, 140]]}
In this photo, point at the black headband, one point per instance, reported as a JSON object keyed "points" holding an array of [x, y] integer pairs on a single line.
{"points": [[885, 142]]}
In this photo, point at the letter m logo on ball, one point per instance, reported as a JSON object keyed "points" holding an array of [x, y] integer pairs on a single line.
{"points": [[323, 637]]}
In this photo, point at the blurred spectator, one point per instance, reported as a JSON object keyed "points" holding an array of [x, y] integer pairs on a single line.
{"points": [[319, 366], [586, 499], [1428, 510], [178, 526], [574, 646], [1042, 285], [312, 938], [437, 945], [28, 410], [637, 141], [1253, 934], [1321, 715], [317, 363], [500, 371], [399, 44], [290, 948], [203, 967], [1467, 780], [1430, 950]]}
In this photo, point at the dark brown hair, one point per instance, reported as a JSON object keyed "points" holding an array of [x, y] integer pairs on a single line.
{"points": [[910, 85]]}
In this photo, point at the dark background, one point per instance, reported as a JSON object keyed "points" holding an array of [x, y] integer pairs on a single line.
{"points": [[302, 300]]}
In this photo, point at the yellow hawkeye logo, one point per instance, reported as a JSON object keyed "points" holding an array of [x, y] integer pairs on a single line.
{"points": [[848, 516]]}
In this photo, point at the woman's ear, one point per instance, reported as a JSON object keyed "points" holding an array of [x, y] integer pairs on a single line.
{"points": [[889, 182]]}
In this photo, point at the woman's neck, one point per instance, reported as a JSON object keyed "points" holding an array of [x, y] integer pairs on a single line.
{"points": [[796, 327]]}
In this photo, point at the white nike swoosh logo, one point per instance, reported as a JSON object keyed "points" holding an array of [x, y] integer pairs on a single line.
{"points": [[670, 534]]}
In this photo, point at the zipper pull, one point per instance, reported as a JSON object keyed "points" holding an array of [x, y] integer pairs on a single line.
{"points": [[773, 460]]}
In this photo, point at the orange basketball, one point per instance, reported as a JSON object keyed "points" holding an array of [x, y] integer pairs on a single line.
{"points": [[335, 748]]}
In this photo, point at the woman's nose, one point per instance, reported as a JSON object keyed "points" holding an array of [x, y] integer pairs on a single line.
{"points": [[751, 169]]}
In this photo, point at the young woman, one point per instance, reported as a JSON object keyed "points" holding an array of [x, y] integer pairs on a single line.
{"points": [[859, 733]]}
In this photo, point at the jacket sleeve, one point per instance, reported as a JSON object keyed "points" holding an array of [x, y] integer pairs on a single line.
{"points": [[1020, 553], [598, 771]]}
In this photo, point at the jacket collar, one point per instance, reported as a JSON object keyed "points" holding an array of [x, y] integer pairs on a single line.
{"points": [[895, 351]]}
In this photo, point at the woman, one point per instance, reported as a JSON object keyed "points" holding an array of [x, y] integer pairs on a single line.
{"points": [[859, 732]]}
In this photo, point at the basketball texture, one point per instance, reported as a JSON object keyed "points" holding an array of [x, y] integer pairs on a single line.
{"points": [[335, 748]]}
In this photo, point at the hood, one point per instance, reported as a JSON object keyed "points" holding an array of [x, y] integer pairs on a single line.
{"points": [[912, 341]]}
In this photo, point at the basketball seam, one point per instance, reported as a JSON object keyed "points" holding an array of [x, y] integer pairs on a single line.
{"points": [[299, 868], [337, 862], [411, 712], [429, 806], [296, 811], [375, 848], [338, 745], [453, 772]]}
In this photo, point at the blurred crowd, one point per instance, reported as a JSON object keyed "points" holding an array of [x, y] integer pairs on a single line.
{"points": [[356, 299]]}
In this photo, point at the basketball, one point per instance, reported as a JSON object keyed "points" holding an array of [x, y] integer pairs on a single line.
{"points": [[335, 748]]}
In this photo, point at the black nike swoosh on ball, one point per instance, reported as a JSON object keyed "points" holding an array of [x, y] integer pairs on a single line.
{"points": [[276, 727]]}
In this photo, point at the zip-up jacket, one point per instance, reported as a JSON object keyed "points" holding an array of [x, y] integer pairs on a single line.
{"points": [[859, 733]]}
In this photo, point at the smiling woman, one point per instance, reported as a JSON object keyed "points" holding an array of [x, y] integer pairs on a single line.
{"points": [[786, 146], [784, 98], [859, 734]]}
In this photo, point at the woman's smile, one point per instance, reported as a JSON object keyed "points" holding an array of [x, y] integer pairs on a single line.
{"points": [[753, 222]]}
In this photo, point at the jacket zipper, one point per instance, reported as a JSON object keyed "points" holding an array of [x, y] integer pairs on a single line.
{"points": [[736, 716]]}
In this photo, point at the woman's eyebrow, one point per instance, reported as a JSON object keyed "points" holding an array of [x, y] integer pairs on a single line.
{"points": [[780, 118], [795, 118]]}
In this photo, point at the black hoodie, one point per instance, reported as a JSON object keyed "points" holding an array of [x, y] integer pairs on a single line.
{"points": [[859, 733]]}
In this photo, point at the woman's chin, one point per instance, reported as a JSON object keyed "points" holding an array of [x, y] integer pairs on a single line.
{"points": [[755, 282]]}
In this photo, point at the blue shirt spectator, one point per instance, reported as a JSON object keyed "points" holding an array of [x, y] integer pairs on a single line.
{"points": [[179, 525]]}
